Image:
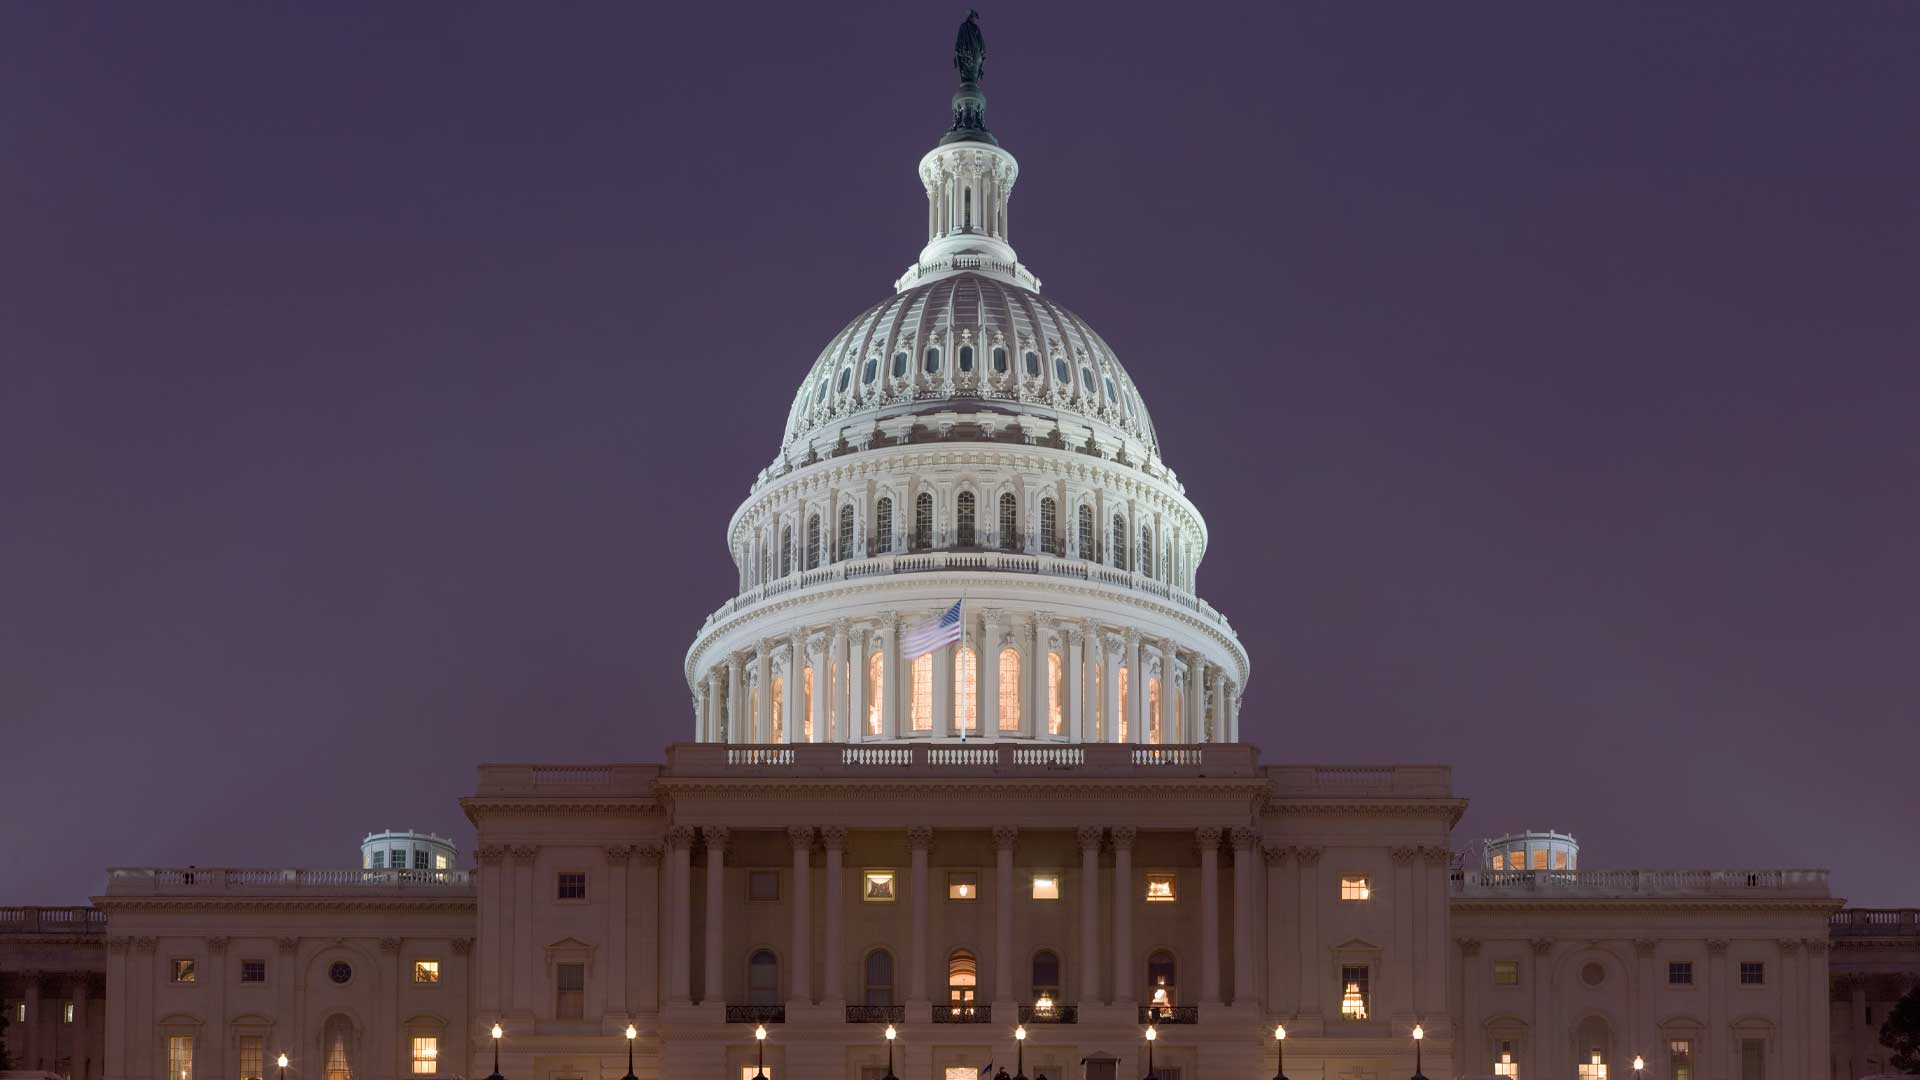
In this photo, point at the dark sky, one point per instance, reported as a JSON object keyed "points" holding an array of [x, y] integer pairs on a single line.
{"points": [[378, 382]]}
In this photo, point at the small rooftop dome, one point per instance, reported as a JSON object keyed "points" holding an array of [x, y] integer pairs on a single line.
{"points": [[1532, 851]]}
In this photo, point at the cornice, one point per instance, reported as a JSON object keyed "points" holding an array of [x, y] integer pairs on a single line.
{"points": [[1646, 903], [54, 939], [1450, 809], [558, 804], [865, 790], [288, 903]]}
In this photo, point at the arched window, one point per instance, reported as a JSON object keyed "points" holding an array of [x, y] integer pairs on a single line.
{"points": [[337, 1038], [846, 376], [779, 713], [1033, 364], [1111, 396], [1099, 700], [870, 371], [1009, 521], [883, 526], [1086, 533], [1049, 523], [963, 978], [1153, 710], [786, 550], [968, 534], [1056, 690], [845, 543], [1146, 552], [1126, 688], [966, 359], [1061, 374], [900, 364], [1087, 385], [966, 209], [1162, 980], [923, 693], [876, 691], [763, 978], [813, 541], [999, 360], [923, 521], [1046, 974], [1009, 690], [966, 676], [749, 721], [879, 977], [933, 360], [1119, 546], [806, 703]]}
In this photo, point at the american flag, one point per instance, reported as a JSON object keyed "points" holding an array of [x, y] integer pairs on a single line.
{"points": [[923, 639]]}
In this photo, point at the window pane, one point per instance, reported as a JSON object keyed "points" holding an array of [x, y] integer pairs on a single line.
{"points": [[252, 1057], [426, 971], [966, 674], [1355, 1002], [1046, 887], [1160, 888], [963, 885], [878, 886], [426, 1054], [179, 1057], [1506, 973], [1355, 888], [1009, 690]]}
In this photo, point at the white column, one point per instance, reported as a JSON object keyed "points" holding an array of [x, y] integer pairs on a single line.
{"points": [[525, 963], [763, 665], [833, 962], [616, 978], [1125, 968], [1220, 706], [739, 725], [1110, 687], [680, 930], [1313, 962], [801, 948], [857, 687], [1136, 690], [1003, 841], [822, 687], [716, 698], [791, 694], [988, 670], [919, 839], [1209, 838], [715, 987], [1243, 951], [842, 724], [1074, 680], [1089, 837], [1195, 720]]}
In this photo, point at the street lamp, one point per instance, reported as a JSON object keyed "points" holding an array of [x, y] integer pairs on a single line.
{"points": [[631, 1033], [282, 1062], [496, 1033], [760, 1040], [1639, 1066], [891, 1035], [1279, 1052], [1151, 1035], [1020, 1052], [1419, 1034]]}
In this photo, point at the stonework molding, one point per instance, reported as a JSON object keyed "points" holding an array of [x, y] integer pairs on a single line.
{"points": [[288, 944], [217, 945], [145, 944], [461, 945], [1207, 837], [1717, 946], [1436, 856], [1004, 837], [1123, 836], [1310, 855], [119, 944], [1403, 855], [801, 836], [389, 944], [649, 854], [1089, 836], [1468, 946], [1643, 947], [715, 838], [489, 854], [1244, 837], [1815, 946], [919, 837], [524, 853], [1277, 854], [680, 837], [833, 837], [1789, 946], [1540, 946]]}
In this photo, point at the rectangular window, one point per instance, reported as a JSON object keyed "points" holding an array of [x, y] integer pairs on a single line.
{"points": [[877, 886], [439, 862], [1506, 973], [379, 860], [960, 1072], [922, 673], [253, 971], [253, 1057], [1753, 1059], [1592, 1067], [426, 971], [1355, 888], [66, 1012], [1046, 886], [570, 980], [1355, 996], [419, 859], [179, 1057], [1680, 973], [398, 860], [1507, 1062], [1753, 973], [1540, 859], [183, 971], [1680, 1059], [1559, 860], [963, 885], [763, 884], [426, 1054], [750, 1072], [1160, 888], [573, 887]]}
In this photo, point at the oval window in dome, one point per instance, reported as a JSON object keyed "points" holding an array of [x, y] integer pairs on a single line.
{"points": [[966, 358], [846, 376], [1111, 396], [933, 360], [1033, 364], [870, 372], [820, 392], [1087, 384], [1060, 373], [900, 364], [999, 361]]}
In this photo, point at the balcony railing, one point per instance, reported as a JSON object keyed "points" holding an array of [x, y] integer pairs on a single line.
{"points": [[1050, 1014], [756, 1014], [1864, 922], [876, 1014], [1625, 883], [52, 920], [201, 880], [981, 759], [963, 1014], [1169, 1014]]}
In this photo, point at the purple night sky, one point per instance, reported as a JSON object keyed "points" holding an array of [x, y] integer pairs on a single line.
{"points": [[378, 382]]}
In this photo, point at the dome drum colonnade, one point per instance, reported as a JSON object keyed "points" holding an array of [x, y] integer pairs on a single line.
{"points": [[967, 439]]}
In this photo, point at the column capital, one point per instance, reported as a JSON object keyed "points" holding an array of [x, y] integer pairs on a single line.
{"points": [[1244, 838], [1789, 946], [524, 853], [762, 649], [389, 944], [816, 643], [1403, 855], [649, 854], [1277, 854], [919, 837], [1815, 946], [1643, 947], [1004, 837], [489, 854], [118, 943], [288, 944], [1436, 856], [889, 621], [833, 837], [145, 944], [680, 837], [1716, 946], [801, 836], [1468, 946], [1075, 636], [1208, 837], [1541, 946], [618, 854], [1310, 855], [1130, 637], [217, 945], [1123, 837], [1089, 836], [715, 837], [461, 945], [840, 628]]}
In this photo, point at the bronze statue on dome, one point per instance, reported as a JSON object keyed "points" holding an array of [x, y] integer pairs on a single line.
{"points": [[970, 49]]}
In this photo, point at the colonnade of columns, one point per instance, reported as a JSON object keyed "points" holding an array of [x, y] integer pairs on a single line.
{"points": [[56, 1035], [1013, 675]]}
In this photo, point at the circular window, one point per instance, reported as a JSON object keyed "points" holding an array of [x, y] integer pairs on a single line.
{"points": [[846, 376], [872, 369], [1593, 974], [1033, 365], [1060, 373], [340, 972]]}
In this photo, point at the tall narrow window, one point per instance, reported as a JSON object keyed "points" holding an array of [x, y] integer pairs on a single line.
{"points": [[570, 991], [1009, 690], [813, 542], [966, 359], [786, 550], [1153, 710], [426, 1054], [1126, 691], [870, 371], [845, 539], [1118, 549], [1086, 532], [1056, 710], [779, 713], [1146, 552], [966, 209], [1507, 1063], [337, 1063], [900, 364], [999, 360], [876, 691], [253, 1057], [1753, 1059], [1355, 997], [923, 693], [962, 981], [923, 521], [1680, 1059], [968, 533], [879, 977], [763, 978], [180, 1057], [1163, 980], [883, 526], [1046, 974], [1049, 542], [966, 672], [933, 361], [1009, 521], [806, 704]]}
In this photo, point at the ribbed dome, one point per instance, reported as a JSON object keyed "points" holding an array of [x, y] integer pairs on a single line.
{"points": [[969, 338]]}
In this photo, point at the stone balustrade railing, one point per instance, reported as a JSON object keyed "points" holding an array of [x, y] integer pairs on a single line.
{"points": [[1875, 922], [52, 920], [200, 880], [1574, 884]]}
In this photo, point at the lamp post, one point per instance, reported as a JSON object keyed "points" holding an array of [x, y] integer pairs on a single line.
{"points": [[1279, 1052], [891, 1035], [282, 1062], [1639, 1066], [1418, 1036], [760, 1040], [1020, 1052], [496, 1033], [631, 1033], [1151, 1035]]}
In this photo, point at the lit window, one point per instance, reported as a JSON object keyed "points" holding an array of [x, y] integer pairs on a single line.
{"points": [[1751, 974], [1506, 973], [754, 1072], [1540, 859], [806, 703], [1506, 1065], [1680, 1059], [1354, 998], [878, 886], [570, 986], [960, 1072], [923, 693], [1046, 886], [1594, 1068], [1355, 888], [966, 675], [1559, 859], [253, 971], [779, 708], [763, 885], [183, 971], [963, 978], [1153, 710], [573, 887], [179, 1057], [876, 686], [1126, 691], [253, 1057], [963, 885], [1056, 708], [1160, 887], [426, 971], [66, 1012], [1680, 973], [1163, 980], [1517, 859], [426, 1054], [1009, 690], [439, 862]]}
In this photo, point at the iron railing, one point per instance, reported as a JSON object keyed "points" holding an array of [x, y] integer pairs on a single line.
{"points": [[1050, 1014], [756, 1014], [963, 1014], [876, 1014], [1169, 1014]]}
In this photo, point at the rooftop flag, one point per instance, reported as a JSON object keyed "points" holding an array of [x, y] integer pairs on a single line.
{"points": [[927, 637]]}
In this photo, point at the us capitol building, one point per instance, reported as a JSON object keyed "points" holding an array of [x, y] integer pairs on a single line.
{"points": [[1047, 828]]}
